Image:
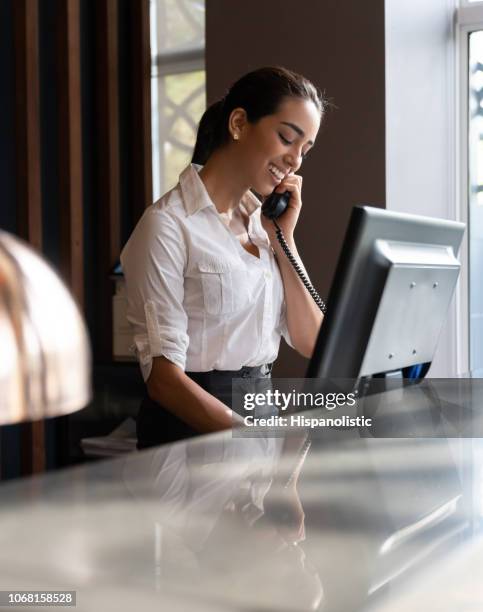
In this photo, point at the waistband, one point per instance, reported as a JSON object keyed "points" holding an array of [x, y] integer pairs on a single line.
{"points": [[262, 371]]}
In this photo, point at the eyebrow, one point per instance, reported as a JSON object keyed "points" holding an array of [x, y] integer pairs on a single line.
{"points": [[296, 128]]}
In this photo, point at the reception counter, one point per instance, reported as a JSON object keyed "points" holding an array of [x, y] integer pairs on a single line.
{"points": [[312, 519]]}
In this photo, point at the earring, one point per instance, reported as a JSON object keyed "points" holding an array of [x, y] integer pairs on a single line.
{"points": [[236, 136]]}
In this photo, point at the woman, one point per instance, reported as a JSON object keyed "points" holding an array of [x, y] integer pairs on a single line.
{"points": [[210, 290]]}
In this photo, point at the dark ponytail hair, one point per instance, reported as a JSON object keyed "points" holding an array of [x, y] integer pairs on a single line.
{"points": [[206, 133], [259, 93]]}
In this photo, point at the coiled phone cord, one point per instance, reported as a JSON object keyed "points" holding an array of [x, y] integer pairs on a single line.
{"points": [[283, 243]]}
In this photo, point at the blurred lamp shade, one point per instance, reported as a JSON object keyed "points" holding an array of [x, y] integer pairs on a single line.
{"points": [[44, 348]]}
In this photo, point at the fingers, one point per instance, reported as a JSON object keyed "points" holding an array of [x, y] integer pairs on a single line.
{"points": [[293, 184], [290, 183]]}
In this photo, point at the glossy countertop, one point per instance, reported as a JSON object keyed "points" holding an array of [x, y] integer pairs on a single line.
{"points": [[310, 520]]}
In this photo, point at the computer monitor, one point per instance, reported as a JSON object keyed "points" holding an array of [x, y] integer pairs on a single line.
{"points": [[393, 285]]}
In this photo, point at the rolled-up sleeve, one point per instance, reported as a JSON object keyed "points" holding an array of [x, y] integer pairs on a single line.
{"points": [[153, 262]]}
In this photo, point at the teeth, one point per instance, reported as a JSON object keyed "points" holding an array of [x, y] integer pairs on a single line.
{"points": [[276, 172]]}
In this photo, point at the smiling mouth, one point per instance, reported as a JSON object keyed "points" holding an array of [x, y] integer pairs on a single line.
{"points": [[276, 172]]}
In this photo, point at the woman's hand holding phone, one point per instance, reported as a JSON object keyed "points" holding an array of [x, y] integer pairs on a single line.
{"points": [[288, 220]]}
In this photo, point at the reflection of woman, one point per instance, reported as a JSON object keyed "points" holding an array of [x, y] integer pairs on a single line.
{"points": [[222, 509], [206, 296]]}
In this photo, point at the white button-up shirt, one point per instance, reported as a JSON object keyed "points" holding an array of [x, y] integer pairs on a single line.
{"points": [[195, 295]]}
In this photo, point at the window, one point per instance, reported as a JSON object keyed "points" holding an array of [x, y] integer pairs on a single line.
{"points": [[178, 97]]}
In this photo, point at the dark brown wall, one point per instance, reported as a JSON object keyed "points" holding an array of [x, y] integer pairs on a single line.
{"points": [[340, 46]]}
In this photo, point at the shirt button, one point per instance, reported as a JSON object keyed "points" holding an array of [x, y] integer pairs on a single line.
{"points": [[267, 274]]}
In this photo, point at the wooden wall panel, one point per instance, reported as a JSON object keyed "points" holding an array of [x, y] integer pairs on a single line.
{"points": [[142, 186], [70, 145], [27, 127], [70, 166], [72, 58], [28, 185], [108, 163]]}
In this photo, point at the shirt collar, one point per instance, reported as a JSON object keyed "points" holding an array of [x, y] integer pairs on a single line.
{"points": [[250, 202], [195, 196]]}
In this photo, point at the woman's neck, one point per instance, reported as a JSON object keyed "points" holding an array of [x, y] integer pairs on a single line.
{"points": [[221, 177]]}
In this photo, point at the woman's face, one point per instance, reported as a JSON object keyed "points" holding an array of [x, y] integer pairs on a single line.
{"points": [[276, 145]]}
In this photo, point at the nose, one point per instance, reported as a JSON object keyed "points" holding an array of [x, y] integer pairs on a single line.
{"points": [[294, 158]]}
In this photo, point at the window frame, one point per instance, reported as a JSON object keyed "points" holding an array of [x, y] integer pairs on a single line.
{"points": [[468, 18], [178, 62]]}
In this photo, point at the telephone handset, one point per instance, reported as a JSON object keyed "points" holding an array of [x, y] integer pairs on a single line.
{"points": [[274, 206]]}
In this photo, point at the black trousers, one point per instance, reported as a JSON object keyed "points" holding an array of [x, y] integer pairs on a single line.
{"points": [[156, 425]]}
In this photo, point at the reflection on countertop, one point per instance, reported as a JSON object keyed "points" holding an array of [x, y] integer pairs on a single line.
{"points": [[301, 522]]}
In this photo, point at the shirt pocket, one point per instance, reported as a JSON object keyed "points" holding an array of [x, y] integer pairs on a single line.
{"points": [[224, 285]]}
